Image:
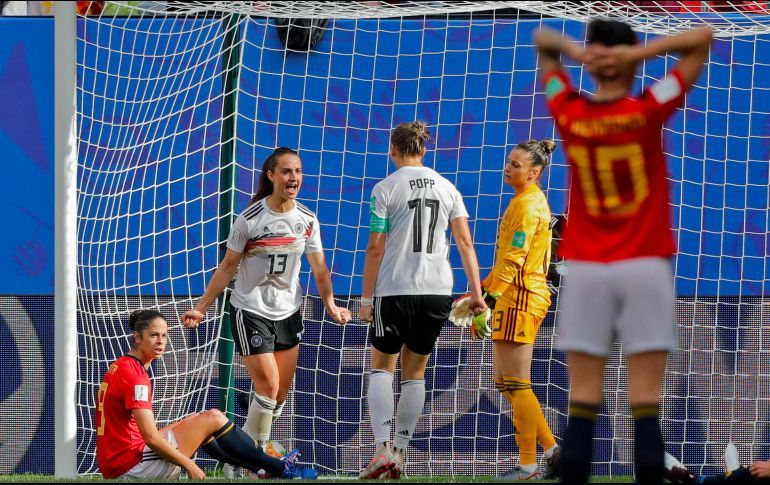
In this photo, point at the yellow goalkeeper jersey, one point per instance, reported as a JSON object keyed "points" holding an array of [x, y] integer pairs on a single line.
{"points": [[523, 254]]}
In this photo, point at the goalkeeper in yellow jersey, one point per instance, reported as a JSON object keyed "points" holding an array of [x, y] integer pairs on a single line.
{"points": [[518, 296]]}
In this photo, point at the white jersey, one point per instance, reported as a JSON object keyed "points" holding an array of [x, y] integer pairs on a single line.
{"points": [[414, 206], [272, 244]]}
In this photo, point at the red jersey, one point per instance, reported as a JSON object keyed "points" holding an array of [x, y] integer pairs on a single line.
{"points": [[618, 202], [119, 444]]}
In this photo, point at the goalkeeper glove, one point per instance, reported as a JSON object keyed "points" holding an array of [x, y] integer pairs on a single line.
{"points": [[489, 298], [480, 328], [461, 314]]}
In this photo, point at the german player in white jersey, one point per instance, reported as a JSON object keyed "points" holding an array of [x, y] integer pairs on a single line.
{"points": [[268, 240], [407, 287]]}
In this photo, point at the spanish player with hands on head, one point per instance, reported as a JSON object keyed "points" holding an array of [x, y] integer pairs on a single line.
{"points": [[267, 240], [518, 296], [128, 442], [618, 240], [407, 287]]}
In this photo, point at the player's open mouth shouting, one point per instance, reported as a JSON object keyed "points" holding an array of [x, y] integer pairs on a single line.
{"points": [[292, 188]]}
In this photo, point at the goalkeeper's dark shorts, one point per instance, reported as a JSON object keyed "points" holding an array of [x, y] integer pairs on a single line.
{"points": [[411, 320]]}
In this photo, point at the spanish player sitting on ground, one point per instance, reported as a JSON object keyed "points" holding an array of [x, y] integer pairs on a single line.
{"points": [[128, 442]]}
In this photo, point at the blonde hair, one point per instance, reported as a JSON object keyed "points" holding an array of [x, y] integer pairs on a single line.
{"points": [[410, 138]]}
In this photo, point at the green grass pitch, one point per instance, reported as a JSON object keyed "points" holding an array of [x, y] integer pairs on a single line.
{"points": [[417, 479]]}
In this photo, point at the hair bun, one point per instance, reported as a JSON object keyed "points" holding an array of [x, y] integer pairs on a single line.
{"points": [[421, 130], [549, 146]]}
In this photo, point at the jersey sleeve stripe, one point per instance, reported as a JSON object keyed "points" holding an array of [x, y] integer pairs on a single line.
{"points": [[253, 211], [305, 210]]}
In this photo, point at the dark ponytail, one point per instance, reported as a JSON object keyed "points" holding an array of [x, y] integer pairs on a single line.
{"points": [[141, 319], [265, 184]]}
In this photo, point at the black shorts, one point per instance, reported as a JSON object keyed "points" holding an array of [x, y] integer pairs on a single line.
{"points": [[254, 334], [411, 320]]}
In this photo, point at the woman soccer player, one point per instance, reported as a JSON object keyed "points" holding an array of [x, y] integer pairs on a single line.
{"points": [[407, 287], [128, 442], [267, 241], [618, 240], [517, 292]]}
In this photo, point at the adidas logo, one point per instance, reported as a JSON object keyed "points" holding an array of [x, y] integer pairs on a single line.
{"points": [[404, 432], [520, 334], [388, 422]]}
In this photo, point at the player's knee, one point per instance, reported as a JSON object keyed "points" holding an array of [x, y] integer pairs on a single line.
{"points": [[269, 390], [215, 417]]}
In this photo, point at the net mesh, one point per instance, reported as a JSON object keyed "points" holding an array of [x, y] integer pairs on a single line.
{"points": [[151, 102]]}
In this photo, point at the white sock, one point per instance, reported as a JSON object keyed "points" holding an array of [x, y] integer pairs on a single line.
{"points": [[260, 418], [410, 406], [549, 452], [278, 410], [380, 399], [529, 468]]}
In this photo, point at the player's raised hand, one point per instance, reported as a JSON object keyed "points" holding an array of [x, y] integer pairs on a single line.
{"points": [[192, 318], [610, 61]]}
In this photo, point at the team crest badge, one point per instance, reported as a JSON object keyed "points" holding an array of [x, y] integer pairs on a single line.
{"points": [[256, 340], [298, 228]]}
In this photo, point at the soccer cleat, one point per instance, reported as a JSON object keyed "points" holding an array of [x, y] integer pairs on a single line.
{"points": [[381, 462], [273, 449], [732, 461], [292, 471], [518, 473], [676, 472], [231, 472], [552, 464], [397, 471]]}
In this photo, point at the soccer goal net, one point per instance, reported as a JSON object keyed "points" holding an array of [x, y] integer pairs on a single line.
{"points": [[179, 103]]}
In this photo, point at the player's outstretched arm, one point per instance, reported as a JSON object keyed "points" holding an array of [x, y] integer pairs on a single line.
{"points": [[223, 275], [462, 236], [551, 45], [375, 250], [324, 282]]}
